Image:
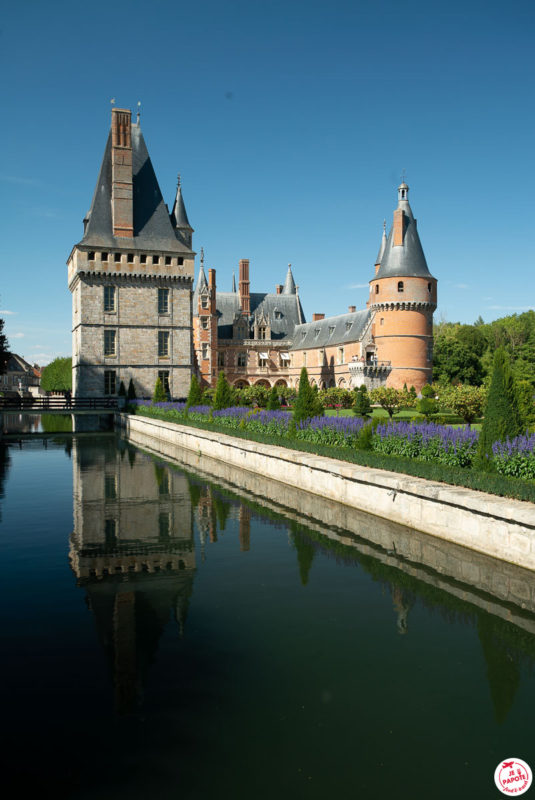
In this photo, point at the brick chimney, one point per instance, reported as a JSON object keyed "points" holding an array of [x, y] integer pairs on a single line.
{"points": [[278, 287], [352, 309], [122, 208], [212, 287], [317, 317], [399, 227], [245, 297]]}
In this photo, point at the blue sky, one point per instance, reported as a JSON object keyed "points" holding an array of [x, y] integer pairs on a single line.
{"points": [[290, 123]]}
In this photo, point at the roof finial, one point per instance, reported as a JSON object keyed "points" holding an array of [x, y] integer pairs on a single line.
{"points": [[178, 181], [112, 101], [403, 176], [202, 257], [384, 226], [138, 111]]}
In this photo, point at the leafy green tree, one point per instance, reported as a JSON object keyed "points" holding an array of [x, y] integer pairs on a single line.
{"points": [[502, 415], [526, 401], [4, 349], [57, 376], [131, 394], [455, 362], [273, 403], [466, 401], [362, 406], [195, 392], [427, 404], [223, 393], [159, 395], [307, 403], [392, 400]]}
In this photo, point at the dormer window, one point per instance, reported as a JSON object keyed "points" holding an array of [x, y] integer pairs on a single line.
{"points": [[262, 332], [91, 256], [400, 286], [303, 335], [331, 330], [204, 301], [316, 333], [349, 325]]}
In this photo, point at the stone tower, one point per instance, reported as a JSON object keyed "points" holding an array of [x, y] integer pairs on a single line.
{"points": [[131, 277], [403, 297], [205, 326]]}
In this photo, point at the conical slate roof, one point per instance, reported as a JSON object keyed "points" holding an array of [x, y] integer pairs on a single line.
{"points": [[152, 226], [382, 248], [407, 259], [289, 284], [179, 218]]}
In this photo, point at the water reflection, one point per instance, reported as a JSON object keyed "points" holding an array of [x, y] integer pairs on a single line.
{"points": [[136, 523], [5, 461]]}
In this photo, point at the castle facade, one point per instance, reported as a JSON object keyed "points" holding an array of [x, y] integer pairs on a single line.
{"points": [[135, 314]]}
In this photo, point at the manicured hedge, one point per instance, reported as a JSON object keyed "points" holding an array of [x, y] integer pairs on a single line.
{"points": [[456, 476]]}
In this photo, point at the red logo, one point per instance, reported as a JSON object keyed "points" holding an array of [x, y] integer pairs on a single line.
{"points": [[513, 776]]}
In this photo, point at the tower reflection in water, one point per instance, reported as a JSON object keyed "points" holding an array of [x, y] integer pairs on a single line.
{"points": [[132, 550]]}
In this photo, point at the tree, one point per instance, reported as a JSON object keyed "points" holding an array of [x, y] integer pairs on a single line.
{"points": [[122, 390], [502, 416], [4, 349], [57, 376], [391, 400], [362, 406], [307, 404], [195, 392], [223, 393], [427, 404], [131, 393], [159, 395], [526, 401], [273, 403], [455, 361], [466, 401]]}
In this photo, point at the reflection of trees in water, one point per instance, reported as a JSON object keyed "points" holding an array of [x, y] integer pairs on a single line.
{"points": [[56, 423], [304, 549], [5, 461], [503, 666]]}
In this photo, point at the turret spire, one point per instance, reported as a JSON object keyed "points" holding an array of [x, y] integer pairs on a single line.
{"points": [[234, 282], [381, 252], [289, 284], [179, 217]]}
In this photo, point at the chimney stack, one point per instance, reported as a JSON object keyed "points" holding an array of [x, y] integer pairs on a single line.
{"points": [[317, 317], [278, 287], [245, 297], [122, 207], [399, 225], [352, 309], [212, 287]]}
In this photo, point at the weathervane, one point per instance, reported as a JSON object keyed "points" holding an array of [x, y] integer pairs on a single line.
{"points": [[202, 257], [138, 110], [178, 181], [403, 177]]}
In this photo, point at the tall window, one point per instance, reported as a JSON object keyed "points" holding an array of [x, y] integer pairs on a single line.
{"points": [[340, 355], [221, 359], [163, 344], [110, 381], [109, 298], [204, 323], [163, 375], [262, 332], [204, 301], [163, 301], [242, 359], [400, 286], [204, 349], [110, 343], [262, 361]]}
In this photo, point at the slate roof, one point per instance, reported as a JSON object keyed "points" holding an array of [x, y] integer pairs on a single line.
{"points": [[179, 217], [16, 363], [289, 283], [406, 260], [152, 226], [338, 330]]}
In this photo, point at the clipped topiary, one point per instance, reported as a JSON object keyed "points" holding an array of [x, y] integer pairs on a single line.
{"points": [[307, 403], [195, 393], [131, 394], [502, 415], [273, 403], [122, 390], [362, 406], [159, 395], [427, 404], [223, 394]]}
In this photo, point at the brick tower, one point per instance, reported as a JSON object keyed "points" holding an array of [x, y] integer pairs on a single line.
{"points": [[403, 296], [205, 326]]}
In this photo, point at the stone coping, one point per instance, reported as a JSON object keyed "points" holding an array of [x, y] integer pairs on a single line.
{"points": [[501, 527]]}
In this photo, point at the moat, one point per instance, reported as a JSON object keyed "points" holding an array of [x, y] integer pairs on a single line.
{"points": [[169, 635]]}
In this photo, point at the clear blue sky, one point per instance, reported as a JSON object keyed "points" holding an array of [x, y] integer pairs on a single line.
{"points": [[290, 123]]}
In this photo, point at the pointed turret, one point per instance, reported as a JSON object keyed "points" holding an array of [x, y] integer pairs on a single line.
{"points": [[201, 281], [179, 218], [289, 284], [403, 255], [382, 248], [234, 282]]}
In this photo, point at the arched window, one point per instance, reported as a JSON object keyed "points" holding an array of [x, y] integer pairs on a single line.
{"points": [[429, 287], [400, 286], [376, 288]]}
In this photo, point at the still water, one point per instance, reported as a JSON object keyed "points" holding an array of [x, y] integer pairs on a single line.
{"points": [[166, 636]]}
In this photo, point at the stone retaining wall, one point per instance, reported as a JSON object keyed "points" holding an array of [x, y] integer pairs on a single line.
{"points": [[496, 526]]}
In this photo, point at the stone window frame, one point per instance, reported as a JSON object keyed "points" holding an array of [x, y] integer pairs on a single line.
{"points": [[341, 355], [110, 342], [262, 362], [163, 301], [205, 323], [220, 358], [204, 301], [110, 299], [262, 331], [204, 351], [163, 375], [242, 359], [164, 342], [110, 382]]}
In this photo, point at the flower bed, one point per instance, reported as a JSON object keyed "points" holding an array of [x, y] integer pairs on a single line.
{"points": [[428, 441]]}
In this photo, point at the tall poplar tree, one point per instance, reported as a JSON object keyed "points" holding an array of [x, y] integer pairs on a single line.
{"points": [[502, 415]]}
